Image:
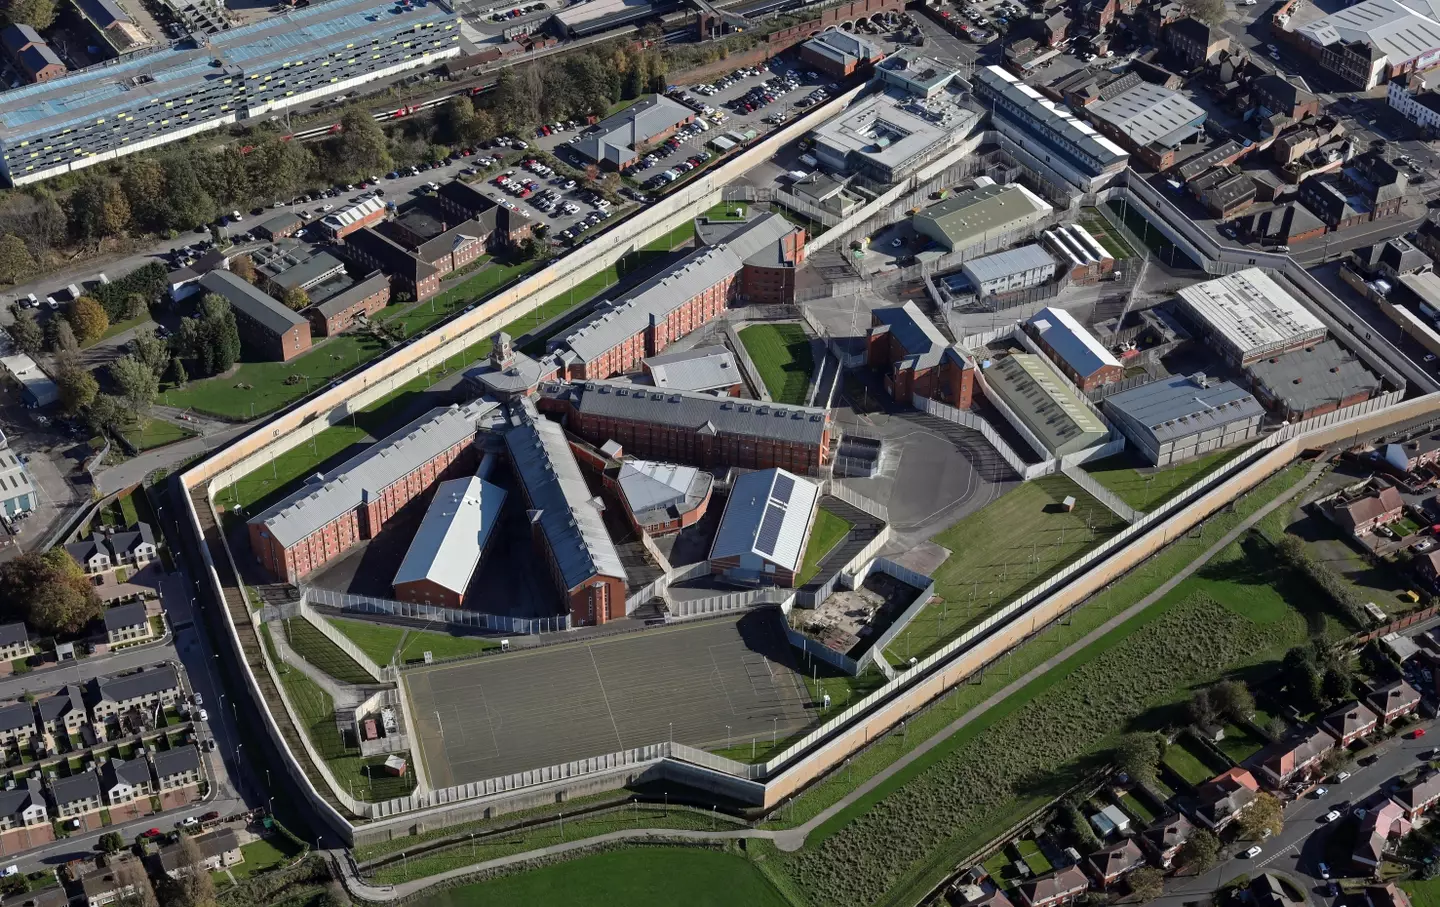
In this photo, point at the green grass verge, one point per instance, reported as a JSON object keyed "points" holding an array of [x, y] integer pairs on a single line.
{"points": [[1000, 551], [827, 532], [1147, 488], [781, 353], [629, 878], [128, 512], [118, 327], [727, 212], [382, 642], [1423, 892], [149, 433], [379, 641], [312, 645], [266, 853], [1188, 764]]}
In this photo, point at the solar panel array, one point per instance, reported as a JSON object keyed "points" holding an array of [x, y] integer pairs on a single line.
{"points": [[783, 486], [770, 528]]}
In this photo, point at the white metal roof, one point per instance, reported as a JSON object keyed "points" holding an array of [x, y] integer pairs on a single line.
{"points": [[768, 515], [650, 485], [1148, 112], [1075, 243], [1011, 261], [326, 497], [1400, 29], [453, 535], [1071, 341], [1250, 311], [701, 369], [353, 213]]}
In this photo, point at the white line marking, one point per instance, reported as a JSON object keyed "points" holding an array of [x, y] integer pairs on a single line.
{"points": [[603, 695]]}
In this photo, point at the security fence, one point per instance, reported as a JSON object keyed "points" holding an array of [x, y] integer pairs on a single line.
{"points": [[475, 620], [380, 673], [1022, 467]]}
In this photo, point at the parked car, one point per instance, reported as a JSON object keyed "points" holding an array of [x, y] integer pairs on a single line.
{"points": [[1253, 852]]}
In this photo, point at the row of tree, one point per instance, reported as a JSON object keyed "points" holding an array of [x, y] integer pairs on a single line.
{"points": [[1295, 555]]}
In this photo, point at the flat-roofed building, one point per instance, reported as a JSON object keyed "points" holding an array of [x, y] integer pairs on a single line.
{"points": [[979, 215], [451, 540], [1069, 345], [888, 135], [1045, 404], [1010, 271], [705, 368], [1048, 131], [838, 53], [1177, 418], [662, 498], [1151, 120], [317, 523], [1312, 381], [699, 429], [264, 324], [1247, 316], [765, 527], [915, 73], [195, 84], [618, 141], [568, 525], [581, 20]]}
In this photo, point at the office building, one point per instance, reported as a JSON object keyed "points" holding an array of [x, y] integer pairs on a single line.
{"points": [[265, 325], [617, 142], [889, 135]]}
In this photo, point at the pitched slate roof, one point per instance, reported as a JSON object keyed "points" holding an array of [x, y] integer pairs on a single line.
{"points": [[16, 715], [135, 772], [1394, 696], [176, 761], [695, 412], [922, 341], [81, 786], [1071, 341], [1351, 718], [255, 305], [13, 634], [1117, 858], [140, 683], [122, 616]]}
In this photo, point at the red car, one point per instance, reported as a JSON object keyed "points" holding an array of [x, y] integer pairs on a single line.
{"points": [[152, 833], [1417, 733]]}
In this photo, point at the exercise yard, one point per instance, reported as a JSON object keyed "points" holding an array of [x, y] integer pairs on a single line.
{"points": [[698, 684], [781, 353]]}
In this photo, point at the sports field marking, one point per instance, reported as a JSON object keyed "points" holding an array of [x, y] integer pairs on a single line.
{"points": [[605, 696], [720, 676]]}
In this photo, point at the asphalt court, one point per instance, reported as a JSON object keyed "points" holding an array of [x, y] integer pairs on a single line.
{"points": [[705, 683]]}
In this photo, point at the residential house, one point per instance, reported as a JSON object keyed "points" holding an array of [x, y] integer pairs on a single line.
{"points": [[1296, 758], [1379, 182], [1165, 838], [92, 554], [125, 781], [63, 714], [23, 805], [17, 724], [1110, 865], [1350, 722], [1394, 257], [1192, 43], [1394, 701], [15, 641], [144, 690], [1417, 799], [1364, 514], [1380, 826], [1330, 201], [1054, 889], [127, 624], [54, 896], [1224, 797], [1275, 94], [111, 882], [135, 547], [219, 850], [1100, 13], [1055, 27], [76, 795], [1225, 192], [178, 767]]}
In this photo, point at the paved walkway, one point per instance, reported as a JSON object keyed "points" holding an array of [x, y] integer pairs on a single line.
{"points": [[792, 839]]}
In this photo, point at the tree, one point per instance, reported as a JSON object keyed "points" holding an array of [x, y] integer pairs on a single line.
{"points": [[133, 306], [76, 387], [1334, 761], [1337, 683], [144, 185], [362, 147], [60, 337], [1202, 707], [49, 596], [16, 262], [455, 117], [1233, 699], [194, 887], [178, 376], [107, 413], [137, 382], [38, 14], [187, 204], [151, 350], [1302, 675], [88, 320], [26, 332], [1085, 839], [242, 267], [295, 298], [131, 874], [1200, 851], [1263, 818], [1146, 884], [112, 842], [1138, 755], [98, 210], [1211, 12]]}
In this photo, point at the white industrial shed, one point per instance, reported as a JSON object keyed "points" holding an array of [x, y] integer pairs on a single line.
{"points": [[451, 540]]}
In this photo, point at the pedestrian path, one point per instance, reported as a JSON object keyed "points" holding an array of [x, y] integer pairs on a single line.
{"points": [[792, 839]]}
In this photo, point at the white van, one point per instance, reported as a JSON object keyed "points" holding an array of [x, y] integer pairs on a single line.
{"points": [[809, 160]]}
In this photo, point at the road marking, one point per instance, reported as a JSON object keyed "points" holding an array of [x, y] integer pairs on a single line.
{"points": [[1276, 855]]}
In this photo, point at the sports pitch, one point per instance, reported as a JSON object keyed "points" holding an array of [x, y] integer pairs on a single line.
{"points": [[529, 709]]}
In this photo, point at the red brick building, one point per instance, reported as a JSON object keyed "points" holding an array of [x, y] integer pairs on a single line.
{"points": [[322, 520], [372, 250], [339, 312], [347, 220], [566, 524], [660, 498], [1082, 358], [433, 234], [839, 53], [30, 54], [504, 227], [755, 262], [265, 325], [917, 358], [698, 429], [1350, 722]]}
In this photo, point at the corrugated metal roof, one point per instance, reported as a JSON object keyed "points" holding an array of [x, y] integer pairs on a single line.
{"points": [[1400, 30], [697, 412], [1071, 342], [701, 369], [768, 515], [1178, 407], [1250, 310], [573, 527], [255, 305], [1011, 261], [325, 498], [1045, 402], [616, 137], [354, 213], [966, 216], [452, 537], [1148, 112]]}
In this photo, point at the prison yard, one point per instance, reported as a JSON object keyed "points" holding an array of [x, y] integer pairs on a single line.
{"points": [[781, 353], [1147, 487]]}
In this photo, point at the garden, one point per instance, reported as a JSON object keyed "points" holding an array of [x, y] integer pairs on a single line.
{"points": [[1191, 762]]}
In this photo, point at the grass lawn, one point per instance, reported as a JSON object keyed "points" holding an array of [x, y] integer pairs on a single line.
{"points": [[640, 877], [1240, 743], [292, 466], [727, 212], [1148, 489], [149, 433], [311, 645], [829, 530], [991, 563], [1188, 764], [1163, 248], [781, 353], [415, 317], [1423, 892], [264, 854], [128, 511], [442, 645], [376, 640], [1095, 223], [1137, 808], [1030, 852], [118, 327], [259, 388]]}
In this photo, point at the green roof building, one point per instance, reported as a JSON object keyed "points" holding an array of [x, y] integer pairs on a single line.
{"points": [[978, 215], [1045, 404]]}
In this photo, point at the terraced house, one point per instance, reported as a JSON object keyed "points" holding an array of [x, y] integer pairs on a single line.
{"points": [[17, 724], [1350, 722], [15, 641], [1296, 758], [177, 768], [1394, 701], [76, 795], [198, 84], [62, 714], [124, 781], [127, 624], [144, 690]]}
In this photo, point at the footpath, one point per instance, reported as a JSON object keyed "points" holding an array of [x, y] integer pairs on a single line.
{"points": [[792, 839]]}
